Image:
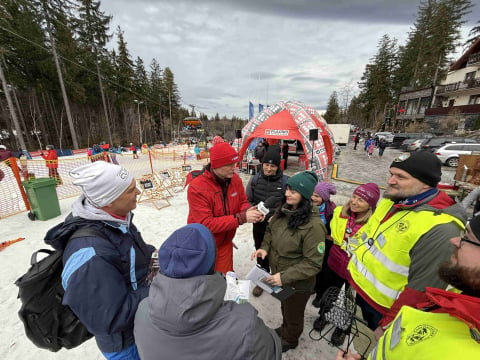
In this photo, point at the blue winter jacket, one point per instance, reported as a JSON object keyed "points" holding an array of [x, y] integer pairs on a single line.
{"points": [[103, 278]]}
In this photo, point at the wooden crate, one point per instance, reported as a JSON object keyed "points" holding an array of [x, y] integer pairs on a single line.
{"points": [[469, 161]]}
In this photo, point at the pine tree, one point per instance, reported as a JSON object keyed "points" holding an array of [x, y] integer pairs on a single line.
{"points": [[332, 114], [436, 33], [92, 30], [473, 35], [376, 85]]}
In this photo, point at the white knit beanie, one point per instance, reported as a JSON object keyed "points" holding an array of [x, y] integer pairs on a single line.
{"points": [[101, 182]]}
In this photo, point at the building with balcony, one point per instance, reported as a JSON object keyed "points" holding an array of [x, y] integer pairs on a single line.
{"points": [[412, 105], [454, 102], [457, 97]]}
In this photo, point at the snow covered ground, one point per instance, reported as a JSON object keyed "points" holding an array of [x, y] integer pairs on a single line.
{"points": [[155, 226]]}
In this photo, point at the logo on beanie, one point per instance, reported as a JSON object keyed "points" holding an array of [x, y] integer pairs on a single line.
{"points": [[235, 158], [123, 174], [402, 226]]}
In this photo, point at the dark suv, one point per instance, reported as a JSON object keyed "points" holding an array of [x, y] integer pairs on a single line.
{"points": [[437, 142]]}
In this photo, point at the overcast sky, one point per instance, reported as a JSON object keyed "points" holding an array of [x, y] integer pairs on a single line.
{"points": [[225, 53]]}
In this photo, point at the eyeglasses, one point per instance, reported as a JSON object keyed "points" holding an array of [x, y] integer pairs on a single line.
{"points": [[464, 239], [402, 157]]}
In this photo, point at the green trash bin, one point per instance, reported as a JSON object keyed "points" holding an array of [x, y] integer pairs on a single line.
{"points": [[42, 195]]}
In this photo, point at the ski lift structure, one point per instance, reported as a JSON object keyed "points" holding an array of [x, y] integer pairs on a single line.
{"points": [[193, 127]]}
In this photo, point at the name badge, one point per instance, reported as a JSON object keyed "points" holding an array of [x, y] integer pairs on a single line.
{"points": [[381, 240]]}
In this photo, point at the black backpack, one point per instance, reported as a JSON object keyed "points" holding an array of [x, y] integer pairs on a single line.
{"points": [[48, 323]]}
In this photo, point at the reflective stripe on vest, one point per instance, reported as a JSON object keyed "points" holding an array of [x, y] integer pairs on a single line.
{"points": [[338, 225], [415, 334], [381, 259]]}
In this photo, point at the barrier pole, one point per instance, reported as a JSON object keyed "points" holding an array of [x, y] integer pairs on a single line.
{"points": [[150, 158], [16, 173]]}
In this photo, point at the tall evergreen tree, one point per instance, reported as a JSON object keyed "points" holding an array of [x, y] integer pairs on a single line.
{"points": [[376, 85], [92, 29], [332, 114], [173, 97], [436, 33], [124, 72], [158, 99]]}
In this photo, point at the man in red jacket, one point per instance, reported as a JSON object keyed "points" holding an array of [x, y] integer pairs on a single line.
{"points": [[217, 199], [52, 163]]}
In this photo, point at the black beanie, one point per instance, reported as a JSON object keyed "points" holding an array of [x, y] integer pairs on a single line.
{"points": [[422, 165], [272, 156]]}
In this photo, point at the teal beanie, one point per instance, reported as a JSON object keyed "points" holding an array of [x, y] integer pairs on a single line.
{"points": [[304, 183]]}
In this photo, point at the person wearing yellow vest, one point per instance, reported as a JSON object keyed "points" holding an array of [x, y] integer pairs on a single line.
{"points": [[443, 324], [346, 221], [405, 240]]}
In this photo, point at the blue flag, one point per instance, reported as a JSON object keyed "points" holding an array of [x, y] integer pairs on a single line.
{"points": [[260, 108], [250, 110]]}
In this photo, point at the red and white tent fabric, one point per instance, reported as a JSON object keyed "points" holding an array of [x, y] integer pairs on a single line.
{"points": [[293, 120]]}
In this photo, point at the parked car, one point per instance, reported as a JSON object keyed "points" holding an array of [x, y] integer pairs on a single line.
{"points": [[434, 143], [406, 143], [449, 153], [387, 135], [415, 145], [400, 137]]}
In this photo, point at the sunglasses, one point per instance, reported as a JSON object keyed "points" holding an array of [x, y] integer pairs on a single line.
{"points": [[464, 239], [402, 157]]}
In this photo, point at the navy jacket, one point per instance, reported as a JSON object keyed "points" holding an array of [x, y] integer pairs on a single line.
{"points": [[103, 278]]}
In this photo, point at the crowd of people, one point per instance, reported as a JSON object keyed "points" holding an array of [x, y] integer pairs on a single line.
{"points": [[418, 298]]}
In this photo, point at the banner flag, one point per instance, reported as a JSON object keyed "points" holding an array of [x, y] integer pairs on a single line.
{"points": [[260, 108], [250, 110]]}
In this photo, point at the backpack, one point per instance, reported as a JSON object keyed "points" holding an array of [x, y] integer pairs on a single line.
{"points": [[48, 323]]}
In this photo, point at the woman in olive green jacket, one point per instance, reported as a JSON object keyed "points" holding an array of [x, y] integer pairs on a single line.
{"points": [[295, 243]]}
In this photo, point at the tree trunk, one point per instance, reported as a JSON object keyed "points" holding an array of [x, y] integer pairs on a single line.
{"points": [[13, 114]]}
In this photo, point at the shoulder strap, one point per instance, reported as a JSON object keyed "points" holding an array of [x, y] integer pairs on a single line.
{"points": [[255, 179], [284, 183], [86, 231]]}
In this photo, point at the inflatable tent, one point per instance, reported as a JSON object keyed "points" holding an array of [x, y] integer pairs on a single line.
{"points": [[293, 120]]}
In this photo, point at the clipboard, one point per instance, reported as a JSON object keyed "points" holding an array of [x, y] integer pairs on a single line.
{"points": [[258, 274]]}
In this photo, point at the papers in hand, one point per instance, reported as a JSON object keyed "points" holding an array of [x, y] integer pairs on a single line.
{"points": [[237, 290], [259, 275]]}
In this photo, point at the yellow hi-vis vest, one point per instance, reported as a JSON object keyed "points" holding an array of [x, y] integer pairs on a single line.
{"points": [[338, 226], [415, 334], [381, 262]]}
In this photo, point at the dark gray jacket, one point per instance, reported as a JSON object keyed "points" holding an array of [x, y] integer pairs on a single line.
{"points": [[188, 319]]}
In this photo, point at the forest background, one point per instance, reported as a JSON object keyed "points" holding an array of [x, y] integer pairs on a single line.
{"points": [[62, 85]]}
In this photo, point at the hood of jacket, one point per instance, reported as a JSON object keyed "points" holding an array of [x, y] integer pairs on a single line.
{"points": [[463, 307], [440, 203], [182, 306]]}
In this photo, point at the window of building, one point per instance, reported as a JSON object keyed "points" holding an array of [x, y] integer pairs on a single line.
{"points": [[424, 102], [474, 99], [451, 102], [412, 106], [470, 76]]}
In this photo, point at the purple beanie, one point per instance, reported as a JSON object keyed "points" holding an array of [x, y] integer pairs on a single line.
{"points": [[368, 192], [324, 190], [188, 251]]}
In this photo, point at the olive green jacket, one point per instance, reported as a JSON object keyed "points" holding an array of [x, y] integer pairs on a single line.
{"points": [[296, 254]]}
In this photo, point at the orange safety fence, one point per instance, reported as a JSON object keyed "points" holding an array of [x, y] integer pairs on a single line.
{"points": [[13, 171]]}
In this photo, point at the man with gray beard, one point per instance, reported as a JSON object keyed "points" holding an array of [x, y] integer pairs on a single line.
{"points": [[400, 248], [443, 324]]}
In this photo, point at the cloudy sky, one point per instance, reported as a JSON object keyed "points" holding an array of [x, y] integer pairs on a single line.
{"points": [[225, 53]]}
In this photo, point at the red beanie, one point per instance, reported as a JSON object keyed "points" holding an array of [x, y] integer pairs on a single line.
{"points": [[222, 154], [368, 192]]}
